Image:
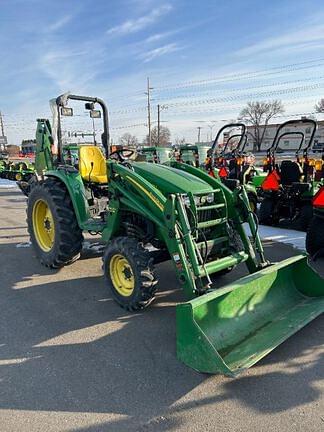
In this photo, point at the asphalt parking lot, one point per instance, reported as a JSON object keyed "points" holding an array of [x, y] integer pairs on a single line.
{"points": [[72, 360]]}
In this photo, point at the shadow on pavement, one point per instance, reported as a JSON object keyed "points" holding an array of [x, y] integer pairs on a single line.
{"points": [[66, 346]]}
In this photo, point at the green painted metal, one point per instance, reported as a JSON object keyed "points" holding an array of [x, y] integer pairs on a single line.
{"points": [[194, 217], [44, 159], [169, 180], [232, 328], [74, 184]]}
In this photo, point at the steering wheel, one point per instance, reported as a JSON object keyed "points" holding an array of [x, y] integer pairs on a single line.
{"points": [[122, 154]]}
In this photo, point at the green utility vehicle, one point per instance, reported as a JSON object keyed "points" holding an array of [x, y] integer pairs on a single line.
{"points": [[190, 218], [155, 154], [187, 153]]}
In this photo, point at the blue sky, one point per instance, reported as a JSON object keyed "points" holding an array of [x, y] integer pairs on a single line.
{"points": [[201, 56]]}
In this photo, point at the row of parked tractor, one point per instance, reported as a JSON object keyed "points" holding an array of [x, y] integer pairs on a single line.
{"points": [[16, 171], [281, 191]]}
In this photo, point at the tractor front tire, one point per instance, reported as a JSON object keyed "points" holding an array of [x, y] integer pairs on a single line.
{"points": [[266, 211], [129, 273], [52, 224], [315, 237], [305, 216]]}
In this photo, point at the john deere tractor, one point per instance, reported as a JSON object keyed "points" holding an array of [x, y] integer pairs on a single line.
{"points": [[190, 218], [290, 185], [187, 153]]}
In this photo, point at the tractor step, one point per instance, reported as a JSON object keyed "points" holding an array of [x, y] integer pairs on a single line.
{"points": [[211, 223], [223, 263], [211, 207]]}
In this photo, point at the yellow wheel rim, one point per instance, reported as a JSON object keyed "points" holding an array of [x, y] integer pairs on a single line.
{"points": [[43, 224], [121, 275]]}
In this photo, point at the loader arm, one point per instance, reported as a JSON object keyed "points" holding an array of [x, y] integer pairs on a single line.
{"points": [[178, 222]]}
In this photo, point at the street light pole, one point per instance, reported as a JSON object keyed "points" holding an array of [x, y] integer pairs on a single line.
{"points": [[199, 129], [149, 110]]}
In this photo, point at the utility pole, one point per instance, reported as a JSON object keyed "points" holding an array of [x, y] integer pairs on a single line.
{"points": [[149, 109], [1, 125], [159, 109], [3, 140], [158, 131], [199, 129]]}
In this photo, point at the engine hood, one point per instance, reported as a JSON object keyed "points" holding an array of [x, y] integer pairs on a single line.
{"points": [[170, 180]]}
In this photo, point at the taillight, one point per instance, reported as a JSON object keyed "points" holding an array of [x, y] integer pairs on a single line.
{"points": [[318, 200], [318, 165]]}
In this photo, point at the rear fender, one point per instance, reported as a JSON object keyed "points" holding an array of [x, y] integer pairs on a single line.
{"points": [[74, 184]]}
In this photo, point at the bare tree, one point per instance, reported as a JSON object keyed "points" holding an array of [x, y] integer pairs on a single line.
{"points": [[319, 107], [165, 136], [128, 140], [180, 141], [258, 114]]}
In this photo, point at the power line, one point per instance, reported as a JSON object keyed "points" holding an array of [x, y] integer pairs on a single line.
{"points": [[244, 75]]}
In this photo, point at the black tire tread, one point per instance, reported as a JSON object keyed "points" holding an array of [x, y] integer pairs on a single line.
{"points": [[305, 216], [265, 211], [143, 268], [69, 244], [315, 237]]}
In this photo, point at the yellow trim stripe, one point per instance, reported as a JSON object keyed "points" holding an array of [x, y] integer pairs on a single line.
{"points": [[149, 194]]}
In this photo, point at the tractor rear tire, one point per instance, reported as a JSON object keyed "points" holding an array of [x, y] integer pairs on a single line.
{"points": [[315, 237], [52, 224], [266, 212], [129, 273], [305, 216]]}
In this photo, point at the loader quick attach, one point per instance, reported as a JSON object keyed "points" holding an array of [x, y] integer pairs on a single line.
{"points": [[187, 216]]}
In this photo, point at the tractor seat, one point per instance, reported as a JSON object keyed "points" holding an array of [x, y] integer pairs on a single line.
{"points": [[93, 167], [290, 172]]}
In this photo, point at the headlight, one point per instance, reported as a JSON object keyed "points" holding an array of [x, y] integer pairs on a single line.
{"points": [[210, 198], [199, 200], [186, 200]]}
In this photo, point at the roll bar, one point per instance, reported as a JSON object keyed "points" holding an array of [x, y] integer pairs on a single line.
{"points": [[227, 126], [237, 146], [62, 100], [271, 151]]}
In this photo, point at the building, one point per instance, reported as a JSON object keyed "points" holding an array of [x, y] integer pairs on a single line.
{"points": [[3, 142], [28, 147], [289, 142]]}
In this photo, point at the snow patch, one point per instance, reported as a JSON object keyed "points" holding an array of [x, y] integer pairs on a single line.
{"points": [[7, 184], [281, 235], [23, 245]]}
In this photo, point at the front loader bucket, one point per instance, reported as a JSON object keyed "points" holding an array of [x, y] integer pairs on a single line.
{"points": [[232, 328]]}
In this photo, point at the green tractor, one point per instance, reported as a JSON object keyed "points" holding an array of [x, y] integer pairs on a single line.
{"points": [[290, 186], [154, 154], [16, 171], [190, 218], [188, 154]]}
